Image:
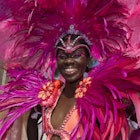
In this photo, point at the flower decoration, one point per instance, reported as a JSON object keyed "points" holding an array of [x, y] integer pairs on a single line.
{"points": [[49, 92], [46, 91], [82, 87]]}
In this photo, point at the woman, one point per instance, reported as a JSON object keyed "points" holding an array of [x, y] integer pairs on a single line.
{"points": [[80, 104], [62, 118], [73, 57]]}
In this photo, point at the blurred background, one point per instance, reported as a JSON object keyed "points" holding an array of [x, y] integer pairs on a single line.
{"points": [[18, 130]]}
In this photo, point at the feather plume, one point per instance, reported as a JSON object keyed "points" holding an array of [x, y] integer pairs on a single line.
{"points": [[19, 96], [107, 93], [39, 24]]}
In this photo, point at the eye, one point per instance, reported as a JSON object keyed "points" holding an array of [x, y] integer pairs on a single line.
{"points": [[78, 54], [62, 56]]}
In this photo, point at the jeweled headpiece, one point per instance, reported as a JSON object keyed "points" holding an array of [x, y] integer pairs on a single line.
{"points": [[71, 45]]}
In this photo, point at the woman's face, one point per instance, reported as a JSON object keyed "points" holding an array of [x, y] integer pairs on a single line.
{"points": [[72, 65]]}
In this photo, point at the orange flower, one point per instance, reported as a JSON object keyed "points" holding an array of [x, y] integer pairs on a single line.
{"points": [[46, 90], [49, 92], [82, 88]]}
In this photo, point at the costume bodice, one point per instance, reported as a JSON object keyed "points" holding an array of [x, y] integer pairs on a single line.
{"points": [[67, 127]]}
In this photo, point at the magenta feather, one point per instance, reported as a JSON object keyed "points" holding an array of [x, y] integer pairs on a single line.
{"points": [[107, 91], [20, 95], [34, 33]]}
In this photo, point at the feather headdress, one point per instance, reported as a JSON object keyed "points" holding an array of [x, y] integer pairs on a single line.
{"points": [[37, 25]]}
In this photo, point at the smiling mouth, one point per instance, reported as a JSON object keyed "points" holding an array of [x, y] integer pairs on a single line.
{"points": [[70, 70]]}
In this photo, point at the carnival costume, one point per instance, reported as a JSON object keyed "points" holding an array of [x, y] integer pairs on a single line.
{"points": [[32, 29]]}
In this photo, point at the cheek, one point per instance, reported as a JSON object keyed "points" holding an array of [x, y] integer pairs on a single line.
{"points": [[82, 62], [59, 64]]}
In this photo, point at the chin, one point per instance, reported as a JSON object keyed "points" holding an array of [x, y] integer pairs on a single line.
{"points": [[73, 79]]}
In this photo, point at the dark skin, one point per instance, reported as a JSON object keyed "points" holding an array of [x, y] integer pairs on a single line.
{"points": [[72, 69], [65, 103]]}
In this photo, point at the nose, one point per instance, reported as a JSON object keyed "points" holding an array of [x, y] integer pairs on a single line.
{"points": [[69, 61]]}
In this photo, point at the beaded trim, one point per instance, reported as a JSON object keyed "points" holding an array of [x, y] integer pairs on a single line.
{"points": [[72, 30], [69, 47]]}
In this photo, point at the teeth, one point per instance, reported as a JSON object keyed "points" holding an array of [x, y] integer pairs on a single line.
{"points": [[70, 70]]}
